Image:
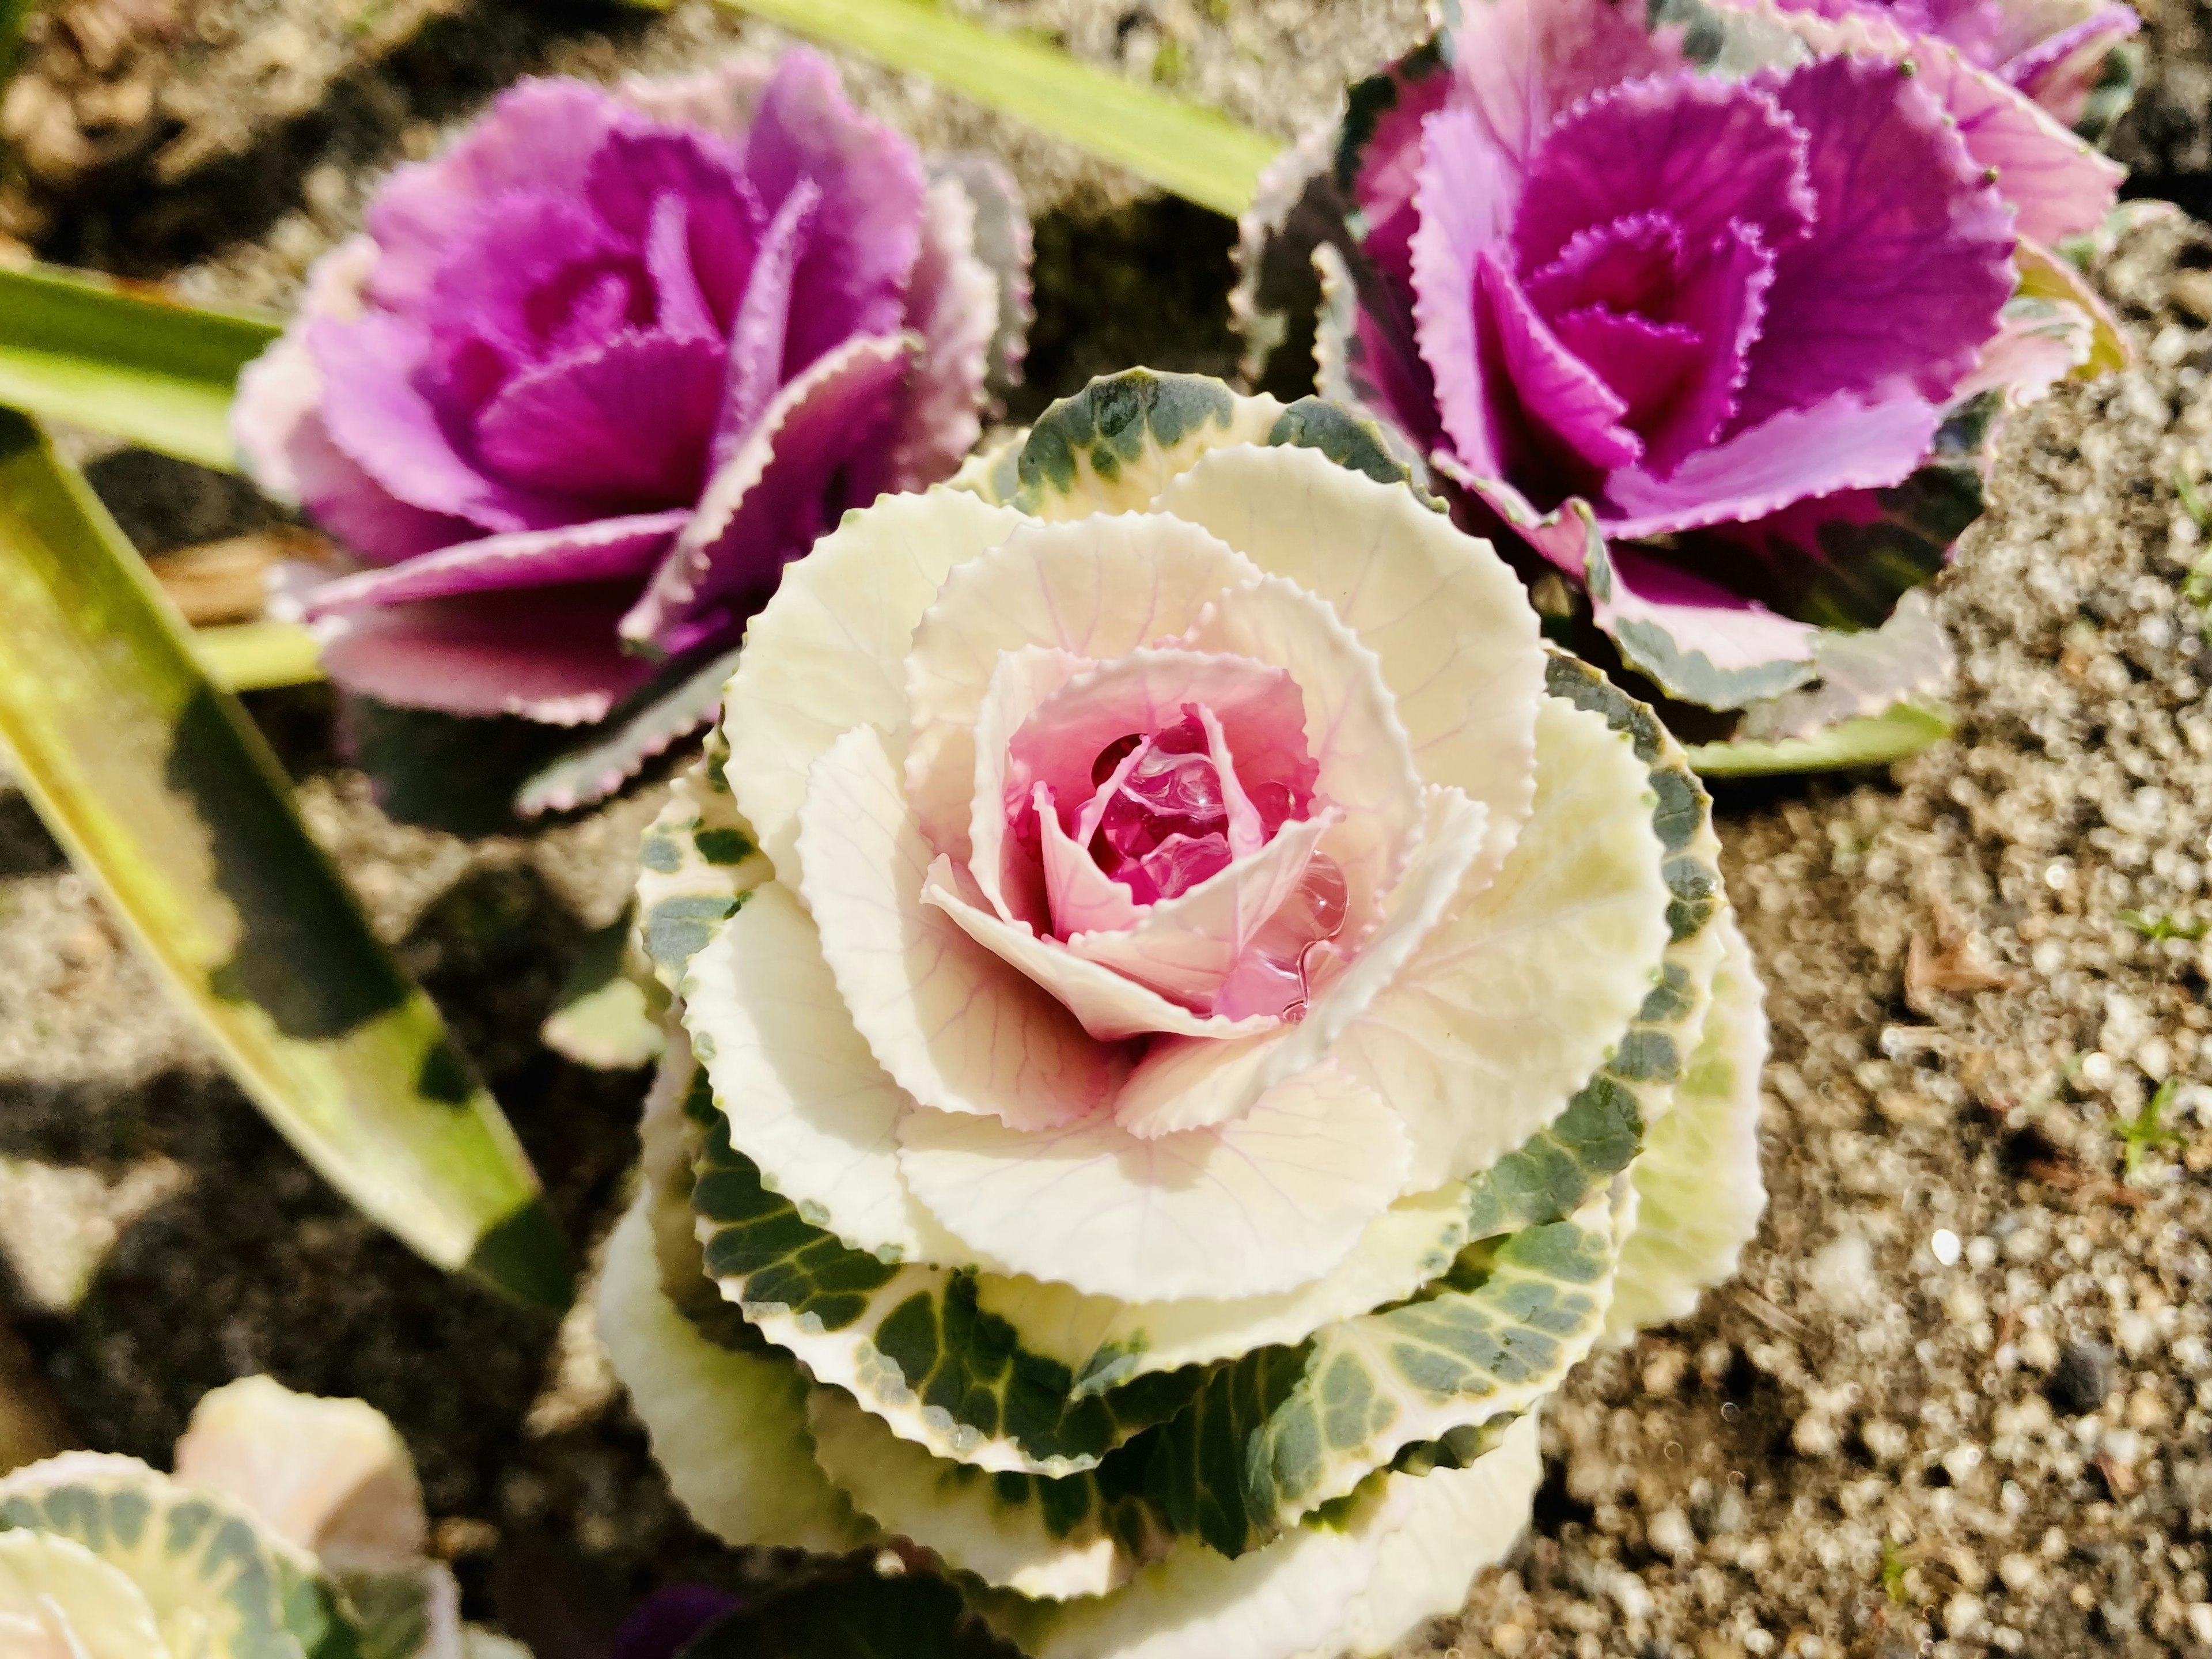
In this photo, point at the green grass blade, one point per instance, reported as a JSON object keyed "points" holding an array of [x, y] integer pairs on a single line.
{"points": [[123, 360], [1870, 740], [164, 793], [258, 656], [1197, 154]]}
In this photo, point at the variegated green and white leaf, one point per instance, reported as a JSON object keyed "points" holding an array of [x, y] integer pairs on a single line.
{"points": [[1286, 1433], [697, 860], [59, 1600], [1114, 445], [1462, 1521], [1107, 1342], [1405, 1548], [1698, 1182], [1666, 1027], [1037, 1537], [910, 1343], [219, 1584], [1302, 1427], [728, 1427]]}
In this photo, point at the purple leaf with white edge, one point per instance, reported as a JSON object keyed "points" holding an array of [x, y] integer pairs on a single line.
{"points": [[955, 306], [680, 701], [2058, 182], [1907, 265], [545, 653], [1697, 641], [605, 549], [1907, 659]]}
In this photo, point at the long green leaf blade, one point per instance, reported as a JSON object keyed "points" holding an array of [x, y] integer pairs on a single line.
{"points": [[258, 656], [123, 360], [164, 793], [1198, 155], [1870, 740]]}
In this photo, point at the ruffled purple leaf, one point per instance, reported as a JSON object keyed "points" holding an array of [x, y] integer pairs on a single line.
{"points": [[1902, 273]]}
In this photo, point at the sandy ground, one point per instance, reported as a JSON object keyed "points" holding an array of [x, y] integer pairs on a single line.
{"points": [[1956, 1403]]}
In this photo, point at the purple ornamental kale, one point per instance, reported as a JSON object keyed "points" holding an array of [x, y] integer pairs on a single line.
{"points": [[2061, 53], [1590, 282], [593, 377]]}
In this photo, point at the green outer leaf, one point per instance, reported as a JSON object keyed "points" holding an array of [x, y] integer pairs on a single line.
{"points": [[162, 791], [1870, 740], [1198, 155], [129, 362]]}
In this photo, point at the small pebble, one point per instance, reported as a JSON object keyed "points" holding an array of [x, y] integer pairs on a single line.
{"points": [[2082, 1379], [1945, 1247]]}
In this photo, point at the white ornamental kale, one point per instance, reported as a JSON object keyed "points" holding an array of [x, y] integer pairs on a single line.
{"points": [[293, 1528], [1196, 1021]]}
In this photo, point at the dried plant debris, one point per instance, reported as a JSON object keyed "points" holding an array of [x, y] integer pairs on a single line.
{"points": [[1986, 1426], [85, 97]]}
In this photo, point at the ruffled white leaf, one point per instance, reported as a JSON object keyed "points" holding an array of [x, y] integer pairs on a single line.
{"points": [[954, 1024], [331, 1476], [829, 652], [1514, 1000], [1106, 1342], [59, 1600], [1096, 589], [1460, 1521], [1268, 1603], [956, 1509], [1448, 620], [728, 1429], [1698, 1181], [805, 1098], [1271, 1200]]}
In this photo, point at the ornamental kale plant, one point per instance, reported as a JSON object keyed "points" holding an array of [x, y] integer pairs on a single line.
{"points": [[293, 1526], [1189, 1020], [591, 378], [1712, 306]]}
